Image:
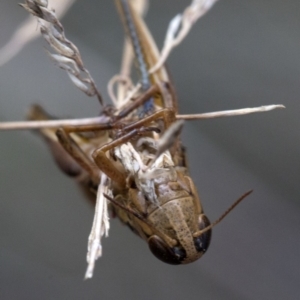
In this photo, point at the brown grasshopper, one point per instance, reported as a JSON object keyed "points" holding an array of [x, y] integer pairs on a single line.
{"points": [[131, 154]]}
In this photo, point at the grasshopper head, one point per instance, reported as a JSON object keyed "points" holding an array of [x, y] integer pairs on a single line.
{"points": [[178, 254]]}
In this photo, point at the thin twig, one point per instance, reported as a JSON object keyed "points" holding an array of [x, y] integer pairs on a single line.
{"points": [[103, 120], [229, 113], [52, 123]]}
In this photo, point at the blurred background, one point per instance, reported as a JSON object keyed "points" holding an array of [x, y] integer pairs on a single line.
{"points": [[241, 54]]}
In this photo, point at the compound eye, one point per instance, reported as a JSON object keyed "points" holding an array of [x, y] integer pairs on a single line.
{"points": [[163, 252], [202, 242]]}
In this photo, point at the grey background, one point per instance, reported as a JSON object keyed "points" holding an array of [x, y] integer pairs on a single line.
{"points": [[242, 54]]}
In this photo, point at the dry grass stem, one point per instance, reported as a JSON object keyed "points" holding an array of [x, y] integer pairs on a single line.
{"points": [[230, 113], [123, 81], [180, 26], [27, 32], [68, 57], [99, 228], [22, 125], [103, 120]]}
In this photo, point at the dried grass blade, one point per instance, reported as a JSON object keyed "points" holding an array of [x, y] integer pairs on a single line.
{"points": [[229, 113], [53, 32]]}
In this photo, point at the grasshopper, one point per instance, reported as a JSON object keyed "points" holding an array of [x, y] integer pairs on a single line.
{"points": [[130, 156]]}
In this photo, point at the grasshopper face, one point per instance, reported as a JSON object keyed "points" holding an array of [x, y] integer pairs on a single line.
{"points": [[191, 250]]}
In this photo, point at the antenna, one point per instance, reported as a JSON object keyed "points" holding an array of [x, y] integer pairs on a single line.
{"points": [[200, 232]]}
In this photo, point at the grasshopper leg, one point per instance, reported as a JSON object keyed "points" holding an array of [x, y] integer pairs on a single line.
{"points": [[106, 165], [166, 114], [66, 152], [136, 128], [74, 150]]}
